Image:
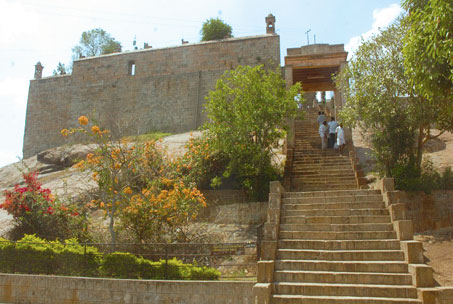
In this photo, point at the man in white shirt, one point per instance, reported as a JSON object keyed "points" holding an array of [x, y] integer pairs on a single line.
{"points": [[321, 117], [323, 134], [332, 130], [341, 142]]}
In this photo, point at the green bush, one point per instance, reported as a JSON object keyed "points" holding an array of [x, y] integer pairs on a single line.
{"points": [[204, 273], [120, 265], [34, 255], [427, 179]]}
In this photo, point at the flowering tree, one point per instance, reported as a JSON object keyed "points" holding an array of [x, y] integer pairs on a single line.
{"points": [[129, 176], [36, 211]]}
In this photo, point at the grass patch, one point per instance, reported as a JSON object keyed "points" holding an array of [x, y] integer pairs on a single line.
{"points": [[154, 135]]}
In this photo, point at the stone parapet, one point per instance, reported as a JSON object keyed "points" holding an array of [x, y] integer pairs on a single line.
{"points": [[57, 290]]}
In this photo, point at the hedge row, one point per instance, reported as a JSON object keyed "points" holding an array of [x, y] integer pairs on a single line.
{"points": [[34, 255]]}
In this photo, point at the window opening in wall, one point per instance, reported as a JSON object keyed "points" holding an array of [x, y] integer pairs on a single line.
{"points": [[131, 68]]}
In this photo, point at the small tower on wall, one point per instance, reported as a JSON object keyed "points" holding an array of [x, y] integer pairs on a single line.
{"points": [[270, 24], [38, 70]]}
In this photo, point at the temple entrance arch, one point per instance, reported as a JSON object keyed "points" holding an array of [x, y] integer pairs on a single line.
{"points": [[313, 66]]}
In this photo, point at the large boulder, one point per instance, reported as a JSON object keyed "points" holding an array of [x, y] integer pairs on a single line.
{"points": [[65, 156]]}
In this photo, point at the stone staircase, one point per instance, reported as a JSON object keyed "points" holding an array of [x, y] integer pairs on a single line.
{"points": [[314, 168], [329, 242], [339, 247]]}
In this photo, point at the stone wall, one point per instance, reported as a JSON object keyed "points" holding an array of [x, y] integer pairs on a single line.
{"points": [[166, 93], [429, 211], [232, 207], [31, 289]]}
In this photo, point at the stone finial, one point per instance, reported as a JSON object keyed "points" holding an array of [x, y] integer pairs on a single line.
{"points": [[270, 24], [38, 70]]}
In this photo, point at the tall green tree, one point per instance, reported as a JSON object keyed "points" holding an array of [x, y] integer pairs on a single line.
{"points": [[94, 43], [381, 100], [428, 48], [215, 29], [248, 113]]}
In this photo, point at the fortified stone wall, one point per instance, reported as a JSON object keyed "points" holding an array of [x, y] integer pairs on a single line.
{"points": [[166, 92]]}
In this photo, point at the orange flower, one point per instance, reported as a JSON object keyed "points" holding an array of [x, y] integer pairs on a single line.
{"points": [[127, 190], [83, 120], [95, 130], [64, 132]]}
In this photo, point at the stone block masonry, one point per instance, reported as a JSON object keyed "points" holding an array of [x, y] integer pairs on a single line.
{"points": [[138, 91], [33, 289]]}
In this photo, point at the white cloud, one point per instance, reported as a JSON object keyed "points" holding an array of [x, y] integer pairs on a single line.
{"points": [[381, 19]]}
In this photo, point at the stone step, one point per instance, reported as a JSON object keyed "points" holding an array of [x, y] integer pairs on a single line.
{"points": [[303, 159], [324, 179], [343, 277], [340, 255], [341, 266], [339, 205], [351, 290], [302, 299], [331, 193], [335, 212], [339, 245], [337, 227], [312, 187], [354, 219], [302, 167], [334, 199], [323, 172], [338, 235]]}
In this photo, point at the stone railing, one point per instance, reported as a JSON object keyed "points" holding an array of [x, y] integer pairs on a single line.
{"points": [[288, 149], [265, 267], [357, 168]]}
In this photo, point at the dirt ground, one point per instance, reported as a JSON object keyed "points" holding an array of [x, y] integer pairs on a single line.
{"points": [[438, 246]]}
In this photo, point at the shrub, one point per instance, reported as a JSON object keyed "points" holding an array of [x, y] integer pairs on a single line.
{"points": [[409, 178], [44, 257], [248, 113], [35, 255], [162, 211], [204, 273], [36, 211]]}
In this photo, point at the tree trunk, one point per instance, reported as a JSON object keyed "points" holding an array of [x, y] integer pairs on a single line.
{"points": [[111, 228], [421, 135]]}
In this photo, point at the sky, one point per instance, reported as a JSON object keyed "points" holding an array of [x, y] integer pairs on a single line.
{"points": [[47, 30]]}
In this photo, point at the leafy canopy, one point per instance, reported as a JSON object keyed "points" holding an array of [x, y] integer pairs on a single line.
{"points": [[428, 49], [381, 100], [96, 42], [248, 113], [215, 29]]}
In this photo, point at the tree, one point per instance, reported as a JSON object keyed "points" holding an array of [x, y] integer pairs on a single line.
{"points": [[134, 187], [215, 29], [381, 100], [60, 70], [428, 49], [94, 43], [248, 113]]}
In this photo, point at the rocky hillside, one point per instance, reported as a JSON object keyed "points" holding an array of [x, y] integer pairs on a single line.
{"points": [[55, 172]]}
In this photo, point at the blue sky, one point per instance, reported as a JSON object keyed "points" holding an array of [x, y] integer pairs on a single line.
{"points": [[47, 30]]}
